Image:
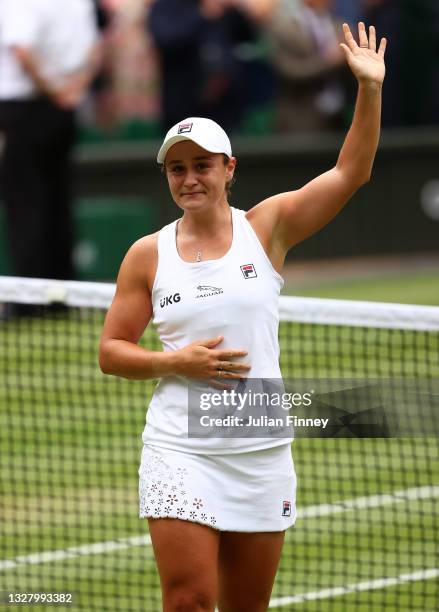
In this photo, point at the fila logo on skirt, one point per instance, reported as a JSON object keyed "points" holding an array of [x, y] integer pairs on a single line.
{"points": [[286, 509]]}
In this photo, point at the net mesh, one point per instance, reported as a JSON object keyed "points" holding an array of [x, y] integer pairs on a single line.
{"points": [[366, 537]]}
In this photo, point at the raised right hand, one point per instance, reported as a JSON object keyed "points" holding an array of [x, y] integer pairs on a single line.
{"points": [[200, 360]]}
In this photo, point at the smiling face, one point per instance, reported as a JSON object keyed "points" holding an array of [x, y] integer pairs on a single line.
{"points": [[197, 179]]}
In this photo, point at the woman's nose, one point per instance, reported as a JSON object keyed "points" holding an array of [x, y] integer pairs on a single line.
{"points": [[190, 178]]}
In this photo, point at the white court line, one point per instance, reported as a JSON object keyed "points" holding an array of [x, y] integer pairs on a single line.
{"points": [[358, 503], [368, 585], [98, 548], [372, 501]]}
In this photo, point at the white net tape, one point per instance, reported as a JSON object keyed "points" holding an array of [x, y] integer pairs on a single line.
{"points": [[300, 310]]}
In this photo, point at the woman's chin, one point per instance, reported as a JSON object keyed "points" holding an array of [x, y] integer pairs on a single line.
{"points": [[194, 202]]}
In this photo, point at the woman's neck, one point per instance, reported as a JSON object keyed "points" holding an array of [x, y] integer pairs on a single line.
{"points": [[203, 224]]}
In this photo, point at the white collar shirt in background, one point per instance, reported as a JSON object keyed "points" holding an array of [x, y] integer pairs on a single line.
{"points": [[60, 34]]}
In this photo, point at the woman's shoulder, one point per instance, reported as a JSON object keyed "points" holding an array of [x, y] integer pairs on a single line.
{"points": [[146, 245], [142, 257]]}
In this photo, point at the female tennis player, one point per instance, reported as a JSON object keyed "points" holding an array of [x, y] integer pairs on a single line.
{"points": [[218, 508]]}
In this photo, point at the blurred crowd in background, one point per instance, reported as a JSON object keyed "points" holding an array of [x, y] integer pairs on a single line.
{"points": [[256, 65]]}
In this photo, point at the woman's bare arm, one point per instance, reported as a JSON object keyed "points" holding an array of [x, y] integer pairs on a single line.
{"points": [[286, 219]]}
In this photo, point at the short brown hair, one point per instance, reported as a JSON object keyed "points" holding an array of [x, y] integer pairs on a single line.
{"points": [[229, 184]]}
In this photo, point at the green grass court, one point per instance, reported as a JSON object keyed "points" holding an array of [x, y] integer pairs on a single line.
{"points": [[404, 288], [70, 448]]}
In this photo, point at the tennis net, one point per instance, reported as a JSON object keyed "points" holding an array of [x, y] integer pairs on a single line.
{"points": [[367, 530]]}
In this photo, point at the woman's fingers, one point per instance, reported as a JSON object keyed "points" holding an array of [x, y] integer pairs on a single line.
{"points": [[231, 365], [222, 374], [365, 41], [362, 35], [350, 40], [201, 360], [224, 355], [372, 39], [226, 369], [231, 369], [209, 342], [382, 49]]}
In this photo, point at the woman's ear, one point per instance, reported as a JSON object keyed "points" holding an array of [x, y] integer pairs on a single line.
{"points": [[231, 165]]}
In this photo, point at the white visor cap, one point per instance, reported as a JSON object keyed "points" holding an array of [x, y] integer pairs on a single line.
{"points": [[204, 132]]}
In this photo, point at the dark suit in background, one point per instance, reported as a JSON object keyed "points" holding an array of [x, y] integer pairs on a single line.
{"points": [[201, 70]]}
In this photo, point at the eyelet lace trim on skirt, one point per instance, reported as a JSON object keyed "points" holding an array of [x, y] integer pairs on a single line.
{"points": [[163, 493]]}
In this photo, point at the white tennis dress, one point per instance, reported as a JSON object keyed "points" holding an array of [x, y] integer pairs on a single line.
{"points": [[233, 484]]}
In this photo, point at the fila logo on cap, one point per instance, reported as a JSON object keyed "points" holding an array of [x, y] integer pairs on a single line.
{"points": [[204, 132], [185, 128], [248, 271], [286, 509]]}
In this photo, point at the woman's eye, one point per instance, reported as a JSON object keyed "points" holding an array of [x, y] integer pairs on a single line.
{"points": [[177, 169]]}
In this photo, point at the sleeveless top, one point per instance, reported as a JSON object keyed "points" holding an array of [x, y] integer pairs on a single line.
{"points": [[235, 296]]}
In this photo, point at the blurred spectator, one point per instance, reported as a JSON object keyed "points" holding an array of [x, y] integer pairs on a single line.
{"points": [[48, 56], [202, 70], [411, 90], [131, 89], [92, 111], [102, 14], [309, 64]]}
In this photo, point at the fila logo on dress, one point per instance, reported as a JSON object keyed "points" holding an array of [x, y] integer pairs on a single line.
{"points": [[248, 271]]}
